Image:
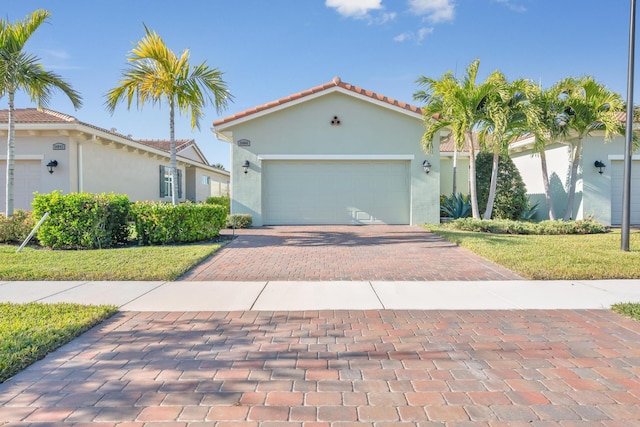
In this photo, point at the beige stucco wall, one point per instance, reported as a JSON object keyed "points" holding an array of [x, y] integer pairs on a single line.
{"points": [[304, 129]]}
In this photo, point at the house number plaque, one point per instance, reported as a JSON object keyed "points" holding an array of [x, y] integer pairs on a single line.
{"points": [[244, 143], [59, 146]]}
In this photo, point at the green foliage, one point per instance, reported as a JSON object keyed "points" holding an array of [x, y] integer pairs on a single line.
{"points": [[628, 309], [17, 227], [239, 221], [82, 220], [31, 331], [160, 223], [505, 226], [511, 194], [530, 212], [455, 206], [222, 201]]}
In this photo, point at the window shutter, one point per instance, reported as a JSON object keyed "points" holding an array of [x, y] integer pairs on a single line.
{"points": [[162, 187], [179, 183]]}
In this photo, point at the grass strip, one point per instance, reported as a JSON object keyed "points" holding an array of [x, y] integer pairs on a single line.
{"points": [[628, 309], [28, 332]]}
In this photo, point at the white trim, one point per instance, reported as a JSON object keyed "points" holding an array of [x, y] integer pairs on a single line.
{"points": [[621, 157], [336, 157], [25, 157]]}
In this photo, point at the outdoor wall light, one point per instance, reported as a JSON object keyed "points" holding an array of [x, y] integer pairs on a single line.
{"points": [[245, 166], [52, 165], [426, 166], [600, 166]]}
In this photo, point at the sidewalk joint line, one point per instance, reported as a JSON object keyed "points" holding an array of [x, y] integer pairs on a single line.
{"points": [[377, 296], [258, 297], [143, 294], [63, 291]]}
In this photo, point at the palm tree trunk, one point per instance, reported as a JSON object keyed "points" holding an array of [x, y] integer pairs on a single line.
{"points": [[455, 168], [472, 176], [494, 182], [172, 153], [11, 139], [568, 213], [545, 182]]}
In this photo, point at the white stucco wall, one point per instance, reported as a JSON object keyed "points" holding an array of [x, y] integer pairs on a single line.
{"points": [[365, 129], [462, 174]]}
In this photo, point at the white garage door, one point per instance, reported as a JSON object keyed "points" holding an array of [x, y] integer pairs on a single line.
{"points": [[335, 192], [617, 175], [26, 180]]}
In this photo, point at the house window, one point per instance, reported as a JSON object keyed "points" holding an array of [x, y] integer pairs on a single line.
{"points": [[206, 180], [166, 182]]}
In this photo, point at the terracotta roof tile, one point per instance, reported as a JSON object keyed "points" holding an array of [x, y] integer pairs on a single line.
{"points": [[336, 82], [34, 115], [164, 144]]}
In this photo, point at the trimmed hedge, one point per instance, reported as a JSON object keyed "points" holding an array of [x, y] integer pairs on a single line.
{"points": [[159, 223], [239, 220], [17, 227], [82, 220], [520, 227], [222, 201]]}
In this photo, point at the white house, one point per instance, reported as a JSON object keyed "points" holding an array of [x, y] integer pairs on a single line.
{"points": [[332, 154], [55, 151]]}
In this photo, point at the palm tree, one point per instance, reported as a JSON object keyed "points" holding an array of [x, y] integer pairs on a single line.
{"points": [[591, 108], [510, 115], [551, 127], [458, 105], [156, 74], [22, 71]]}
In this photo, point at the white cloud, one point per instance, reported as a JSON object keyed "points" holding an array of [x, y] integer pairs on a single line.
{"points": [[510, 4], [354, 8], [434, 10], [417, 36]]}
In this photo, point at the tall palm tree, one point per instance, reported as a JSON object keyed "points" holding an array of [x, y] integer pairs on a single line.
{"points": [[591, 108], [551, 127], [22, 71], [156, 74], [458, 105], [510, 115]]}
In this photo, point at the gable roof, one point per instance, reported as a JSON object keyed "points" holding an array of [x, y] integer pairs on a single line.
{"points": [[164, 144], [334, 85]]}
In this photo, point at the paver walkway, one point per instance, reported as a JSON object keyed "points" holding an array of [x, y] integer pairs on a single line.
{"points": [[376, 252], [570, 368]]}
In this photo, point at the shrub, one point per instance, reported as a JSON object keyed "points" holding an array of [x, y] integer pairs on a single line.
{"points": [[455, 206], [82, 220], [511, 194], [159, 223], [16, 228], [239, 220], [222, 201], [505, 226]]}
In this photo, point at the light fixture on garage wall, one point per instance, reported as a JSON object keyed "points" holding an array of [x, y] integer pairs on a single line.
{"points": [[245, 166], [600, 166], [426, 166], [335, 121], [52, 165]]}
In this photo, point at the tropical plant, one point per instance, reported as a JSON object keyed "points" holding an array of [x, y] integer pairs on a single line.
{"points": [[455, 206], [510, 115], [551, 127], [459, 105], [20, 71], [591, 107], [510, 199], [157, 74]]}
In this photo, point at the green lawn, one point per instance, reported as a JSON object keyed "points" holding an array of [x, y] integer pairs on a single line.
{"points": [[562, 257], [130, 263], [29, 331]]}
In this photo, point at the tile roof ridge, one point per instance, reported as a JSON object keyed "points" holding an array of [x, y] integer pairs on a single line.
{"points": [[65, 117]]}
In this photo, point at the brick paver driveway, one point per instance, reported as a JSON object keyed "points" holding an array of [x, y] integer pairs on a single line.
{"points": [[338, 369], [376, 252]]}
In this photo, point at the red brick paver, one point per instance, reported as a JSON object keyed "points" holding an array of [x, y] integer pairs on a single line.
{"points": [[375, 252], [263, 369]]}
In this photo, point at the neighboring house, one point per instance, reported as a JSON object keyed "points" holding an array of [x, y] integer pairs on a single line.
{"points": [[95, 160], [332, 154], [598, 190]]}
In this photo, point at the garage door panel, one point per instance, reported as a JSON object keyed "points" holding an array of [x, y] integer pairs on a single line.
{"points": [[27, 180], [335, 192], [617, 176]]}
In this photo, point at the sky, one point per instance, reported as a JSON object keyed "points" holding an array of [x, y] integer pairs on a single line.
{"points": [[268, 49]]}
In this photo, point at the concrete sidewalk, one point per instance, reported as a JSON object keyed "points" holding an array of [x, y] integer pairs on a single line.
{"points": [[353, 295]]}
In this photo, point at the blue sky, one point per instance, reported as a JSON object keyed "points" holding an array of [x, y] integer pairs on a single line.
{"points": [[270, 49]]}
